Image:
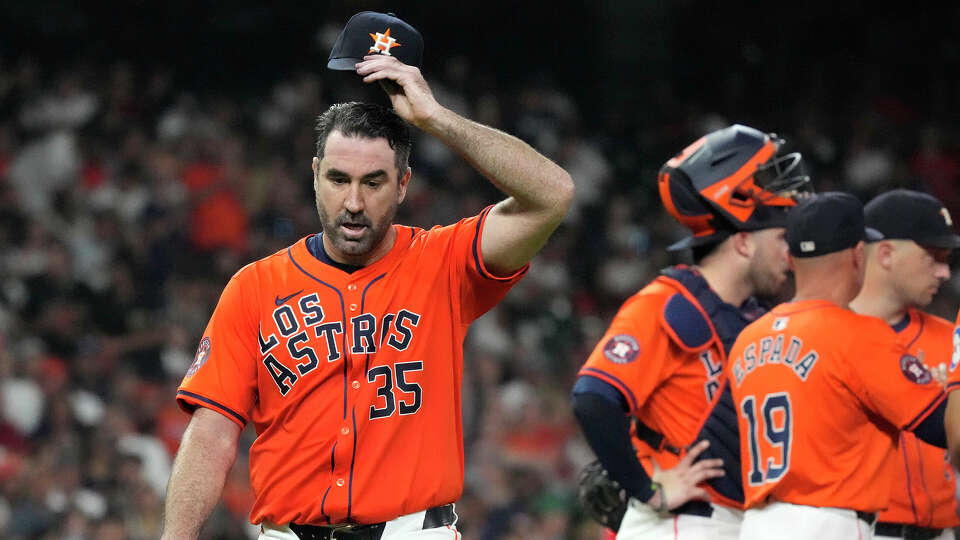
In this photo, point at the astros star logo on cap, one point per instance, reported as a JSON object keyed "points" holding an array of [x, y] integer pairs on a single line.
{"points": [[382, 43]]}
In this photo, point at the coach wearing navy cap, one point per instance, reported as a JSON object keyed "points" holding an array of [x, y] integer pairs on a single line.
{"points": [[826, 223], [826, 235]]}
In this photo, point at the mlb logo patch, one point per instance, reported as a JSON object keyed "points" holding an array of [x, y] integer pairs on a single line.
{"points": [[621, 349], [780, 323], [808, 246]]}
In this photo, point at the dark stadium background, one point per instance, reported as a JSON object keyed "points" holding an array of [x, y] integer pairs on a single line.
{"points": [[609, 89]]}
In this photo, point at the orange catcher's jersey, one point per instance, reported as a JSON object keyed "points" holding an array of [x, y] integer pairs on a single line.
{"points": [[351, 379], [821, 394], [924, 483], [668, 379]]}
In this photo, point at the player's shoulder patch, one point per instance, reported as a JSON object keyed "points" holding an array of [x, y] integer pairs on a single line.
{"points": [[203, 352], [621, 349], [914, 370], [686, 324]]}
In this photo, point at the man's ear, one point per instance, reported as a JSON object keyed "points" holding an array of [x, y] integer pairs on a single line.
{"points": [[404, 181], [860, 255], [742, 243], [883, 251], [316, 170]]}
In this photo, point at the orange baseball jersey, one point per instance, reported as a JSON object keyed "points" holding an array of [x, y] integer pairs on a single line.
{"points": [[953, 374], [924, 484], [821, 394], [351, 379], [663, 354]]}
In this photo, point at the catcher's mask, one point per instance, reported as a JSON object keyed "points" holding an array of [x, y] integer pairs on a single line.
{"points": [[731, 180]]}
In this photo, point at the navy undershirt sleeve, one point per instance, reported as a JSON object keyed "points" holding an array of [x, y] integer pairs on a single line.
{"points": [[601, 411], [931, 430]]}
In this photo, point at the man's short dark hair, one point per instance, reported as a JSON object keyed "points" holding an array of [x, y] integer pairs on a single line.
{"points": [[370, 121]]}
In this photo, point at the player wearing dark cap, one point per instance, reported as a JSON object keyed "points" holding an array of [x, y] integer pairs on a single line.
{"points": [[345, 350], [660, 363], [904, 271], [821, 392]]}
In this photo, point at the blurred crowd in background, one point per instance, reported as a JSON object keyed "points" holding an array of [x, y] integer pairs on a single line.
{"points": [[128, 198]]}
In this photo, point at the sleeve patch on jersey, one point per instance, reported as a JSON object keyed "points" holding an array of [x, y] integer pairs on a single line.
{"points": [[621, 349], [203, 352], [686, 323], [955, 358], [914, 370]]}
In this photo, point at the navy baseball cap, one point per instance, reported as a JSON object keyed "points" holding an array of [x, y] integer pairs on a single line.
{"points": [[826, 223], [369, 32], [912, 215]]}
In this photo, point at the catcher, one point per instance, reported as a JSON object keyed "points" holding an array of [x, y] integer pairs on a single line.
{"points": [[660, 363]]}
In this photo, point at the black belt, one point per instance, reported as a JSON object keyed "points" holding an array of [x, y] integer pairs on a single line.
{"points": [[869, 517], [695, 508], [438, 516], [908, 532]]}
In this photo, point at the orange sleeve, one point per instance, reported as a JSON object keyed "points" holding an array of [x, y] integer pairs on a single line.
{"points": [[223, 375], [888, 379], [633, 355], [480, 289]]}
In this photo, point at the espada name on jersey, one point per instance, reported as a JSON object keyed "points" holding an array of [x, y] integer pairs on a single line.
{"points": [[775, 350]]}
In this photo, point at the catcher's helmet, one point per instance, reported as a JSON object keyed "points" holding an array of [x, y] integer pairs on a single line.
{"points": [[730, 180]]}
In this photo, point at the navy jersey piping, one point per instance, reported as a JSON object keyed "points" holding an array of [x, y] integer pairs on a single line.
{"points": [[209, 401], [906, 467], [324, 502], [343, 317], [624, 389], [353, 458], [926, 412]]}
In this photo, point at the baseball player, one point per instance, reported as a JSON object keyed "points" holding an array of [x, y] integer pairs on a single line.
{"points": [[822, 392], [904, 271], [660, 362], [345, 349]]}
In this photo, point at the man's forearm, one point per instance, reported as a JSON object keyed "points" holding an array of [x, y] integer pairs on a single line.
{"points": [[536, 183], [208, 450]]}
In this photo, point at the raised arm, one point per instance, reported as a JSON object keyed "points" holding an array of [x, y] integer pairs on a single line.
{"points": [[539, 190], [207, 452]]}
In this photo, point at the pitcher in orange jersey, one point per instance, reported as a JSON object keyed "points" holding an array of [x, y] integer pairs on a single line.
{"points": [[904, 271], [660, 363], [822, 392], [345, 349]]}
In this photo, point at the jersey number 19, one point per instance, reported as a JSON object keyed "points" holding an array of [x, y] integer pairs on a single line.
{"points": [[775, 421]]}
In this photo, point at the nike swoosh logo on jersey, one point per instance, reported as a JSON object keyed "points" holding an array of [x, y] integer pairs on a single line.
{"points": [[281, 301]]}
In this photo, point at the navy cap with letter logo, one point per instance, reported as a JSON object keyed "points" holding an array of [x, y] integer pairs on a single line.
{"points": [[369, 32], [826, 223], [912, 215]]}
